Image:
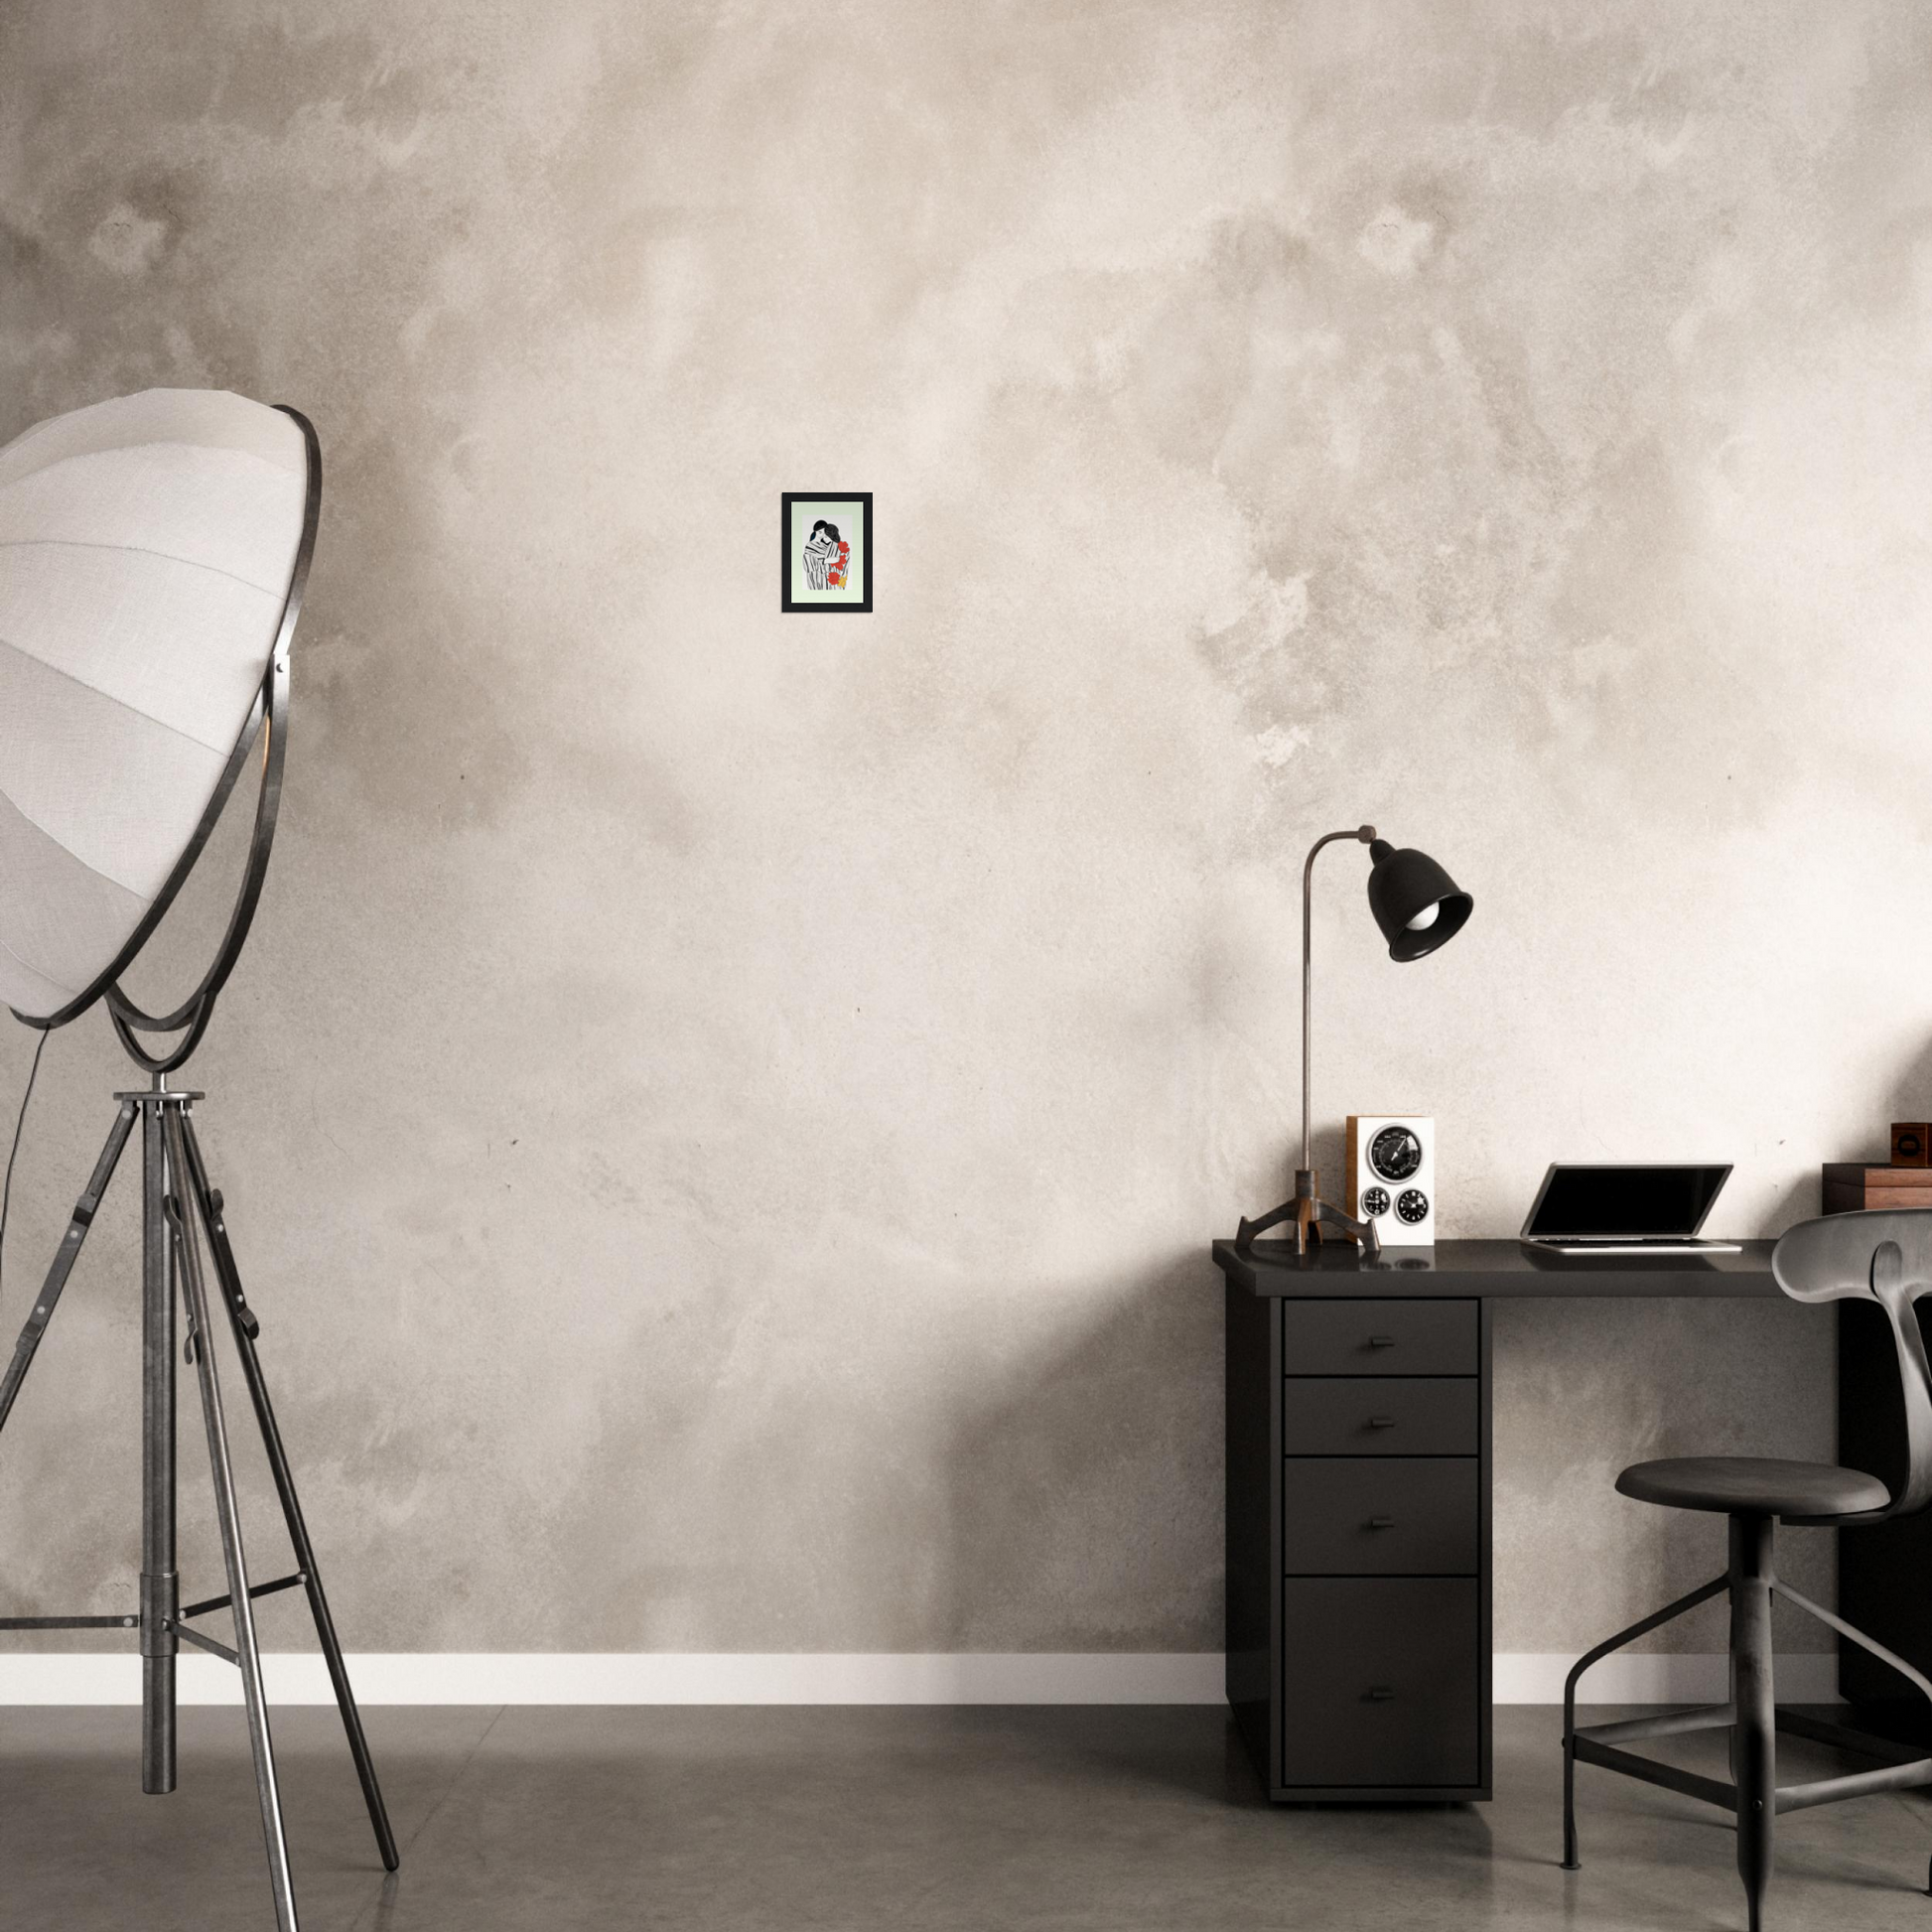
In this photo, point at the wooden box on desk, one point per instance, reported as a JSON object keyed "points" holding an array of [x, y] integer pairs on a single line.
{"points": [[1884, 1572], [1850, 1185]]}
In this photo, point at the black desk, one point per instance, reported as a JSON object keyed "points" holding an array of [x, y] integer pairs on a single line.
{"points": [[1494, 1268], [1359, 1477]]}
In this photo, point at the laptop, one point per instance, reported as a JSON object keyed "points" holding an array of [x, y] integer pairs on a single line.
{"points": [[1631, 1210]]}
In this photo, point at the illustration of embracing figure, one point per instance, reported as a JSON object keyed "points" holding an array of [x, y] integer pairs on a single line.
{"points": [[826, 557], [821, 547]]}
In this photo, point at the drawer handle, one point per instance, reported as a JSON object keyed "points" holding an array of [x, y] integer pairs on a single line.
{"points": [[1380, 1694], [1381, 1421], [1381, 1341], [1381, 1522]]}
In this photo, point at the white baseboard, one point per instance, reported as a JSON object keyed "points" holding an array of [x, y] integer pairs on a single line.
{"points": [[1030, 1677], [653, 1677], [1655, 1676]]}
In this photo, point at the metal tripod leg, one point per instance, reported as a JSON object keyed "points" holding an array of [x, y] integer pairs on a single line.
{"points": [[160, 1579], [1755, 1741], [248, 1656], [229, 1278], [81, 1220]]}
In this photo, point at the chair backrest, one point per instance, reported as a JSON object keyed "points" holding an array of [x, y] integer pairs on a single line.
{"points": [[1883, 1257]]}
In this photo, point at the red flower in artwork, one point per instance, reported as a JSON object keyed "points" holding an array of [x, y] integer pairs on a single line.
{"points": [[835, 577]]}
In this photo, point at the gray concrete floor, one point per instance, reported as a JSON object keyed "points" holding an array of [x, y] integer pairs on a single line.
{"points": [[1077, 1820]]}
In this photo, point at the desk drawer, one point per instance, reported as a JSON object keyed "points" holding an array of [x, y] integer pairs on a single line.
{"points": [[1381, 1516], [1381, 1681], [1381, 1338], [1381, 1416]]}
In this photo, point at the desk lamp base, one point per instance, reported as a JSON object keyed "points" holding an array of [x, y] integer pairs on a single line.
{"points": [[1310, 1215]]}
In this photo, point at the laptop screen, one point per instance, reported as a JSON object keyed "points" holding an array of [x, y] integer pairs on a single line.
{"points": [[1624, 1201]]}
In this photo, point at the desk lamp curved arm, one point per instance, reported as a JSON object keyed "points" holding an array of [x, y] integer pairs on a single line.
{"points": [[268, 718], [1366, 835]]}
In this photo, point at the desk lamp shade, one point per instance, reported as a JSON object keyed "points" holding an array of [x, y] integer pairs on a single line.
{"points": [[148, 551], [1415, 901]]}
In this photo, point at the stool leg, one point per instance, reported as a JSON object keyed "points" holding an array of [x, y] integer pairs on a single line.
{"points": [[1642, 1627], [1754, 1748], [1571, 1861]]}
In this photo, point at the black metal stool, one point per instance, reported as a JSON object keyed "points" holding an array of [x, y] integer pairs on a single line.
{"points": [[1883, 1257]]}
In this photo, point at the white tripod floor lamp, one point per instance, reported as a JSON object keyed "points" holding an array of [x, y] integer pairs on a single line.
{"points": [[153, 553]]}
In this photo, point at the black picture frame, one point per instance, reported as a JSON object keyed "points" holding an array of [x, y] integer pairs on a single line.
{"points": [[842, 605]]}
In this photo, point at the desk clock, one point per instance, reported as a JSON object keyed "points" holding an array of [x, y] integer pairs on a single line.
{"points": [[1390, 1165]]}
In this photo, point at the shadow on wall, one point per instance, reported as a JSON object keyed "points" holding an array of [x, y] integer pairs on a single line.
{"points": [[1583, 1388], [1085, 1492], [1798, 1203], [1909, 1096]]}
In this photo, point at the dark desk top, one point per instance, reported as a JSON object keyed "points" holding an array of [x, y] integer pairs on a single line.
{"points": [[1494, 1268]]}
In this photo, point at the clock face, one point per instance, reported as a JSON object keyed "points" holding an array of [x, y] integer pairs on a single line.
{"points": [[1395, 1152], [1412, 1204], [1375, 1201]]}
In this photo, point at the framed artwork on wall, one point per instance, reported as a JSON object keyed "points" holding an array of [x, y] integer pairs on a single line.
{"points": [[825, 540]]}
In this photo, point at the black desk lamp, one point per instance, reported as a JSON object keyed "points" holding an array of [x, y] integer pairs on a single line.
{"points": [[1417, 905]]}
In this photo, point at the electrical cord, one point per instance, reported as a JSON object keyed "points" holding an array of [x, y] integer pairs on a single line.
{"points": [[7, 1188]]}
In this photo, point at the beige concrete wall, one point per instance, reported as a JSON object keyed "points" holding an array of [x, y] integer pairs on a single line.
{"points": [[725, 1112]]}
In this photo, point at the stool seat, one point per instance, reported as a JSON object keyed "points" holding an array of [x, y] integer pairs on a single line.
{"points": [[1753, 1486]]}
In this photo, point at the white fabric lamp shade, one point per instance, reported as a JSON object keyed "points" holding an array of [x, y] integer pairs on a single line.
{"points": [[146, 550]]}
